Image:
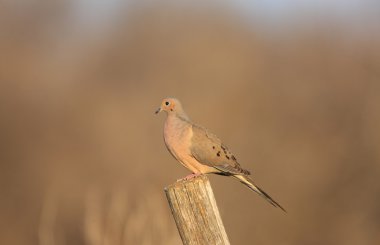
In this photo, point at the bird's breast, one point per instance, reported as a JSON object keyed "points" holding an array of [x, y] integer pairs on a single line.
{"points": [[177, 136], [178, 139]]}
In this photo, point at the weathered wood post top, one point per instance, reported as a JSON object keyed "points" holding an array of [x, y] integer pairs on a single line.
{"points": [[195, 212]]}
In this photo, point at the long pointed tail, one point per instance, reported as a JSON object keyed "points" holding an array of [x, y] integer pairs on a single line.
{"points": [[251, 185]]}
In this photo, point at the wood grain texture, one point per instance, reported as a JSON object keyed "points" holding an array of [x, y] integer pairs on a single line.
{"points": [[195, 212]]}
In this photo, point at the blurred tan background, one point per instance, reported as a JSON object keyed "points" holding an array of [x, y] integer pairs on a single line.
{"points": [[292, 87]]}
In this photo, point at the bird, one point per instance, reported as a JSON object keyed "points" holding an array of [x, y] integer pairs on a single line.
{"points": [[201, 151]]}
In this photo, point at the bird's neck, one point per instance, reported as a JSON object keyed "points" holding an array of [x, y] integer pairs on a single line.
{"points": [[176, 122], [180, 115]]}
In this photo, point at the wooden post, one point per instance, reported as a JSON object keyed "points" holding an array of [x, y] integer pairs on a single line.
{"points": [[195, 212]]}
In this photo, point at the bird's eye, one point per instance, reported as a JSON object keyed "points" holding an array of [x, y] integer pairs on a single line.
{"points": [[167, 103]]}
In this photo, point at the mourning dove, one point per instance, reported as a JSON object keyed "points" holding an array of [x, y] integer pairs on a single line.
{"points": [[199, 150]]}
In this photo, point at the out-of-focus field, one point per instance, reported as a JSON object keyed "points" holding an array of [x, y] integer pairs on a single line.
{"points": [[82, 155]]}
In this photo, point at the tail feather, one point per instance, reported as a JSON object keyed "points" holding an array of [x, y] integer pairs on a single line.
{"points": [[251, 185]]}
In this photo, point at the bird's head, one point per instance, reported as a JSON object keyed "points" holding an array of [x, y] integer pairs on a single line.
{"points": [[172, 106]]}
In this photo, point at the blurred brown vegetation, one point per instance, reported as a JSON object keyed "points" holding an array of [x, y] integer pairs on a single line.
{"points": [[82, 155]]}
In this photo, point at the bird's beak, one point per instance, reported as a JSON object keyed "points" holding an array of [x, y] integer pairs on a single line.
{"points": [[158, 110]]}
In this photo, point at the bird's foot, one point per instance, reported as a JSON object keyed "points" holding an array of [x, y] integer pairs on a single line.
{"points": [[190, 176]]}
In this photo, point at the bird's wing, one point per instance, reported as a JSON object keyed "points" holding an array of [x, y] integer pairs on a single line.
{"points": [[209, 150]]}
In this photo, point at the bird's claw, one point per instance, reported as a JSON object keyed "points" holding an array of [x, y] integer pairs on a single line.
{"points": [[189, 177]]}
